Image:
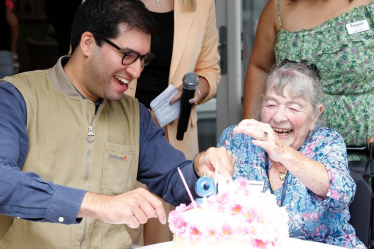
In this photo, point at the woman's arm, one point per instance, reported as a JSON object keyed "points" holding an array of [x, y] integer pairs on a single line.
{"points": [[313, 174], [328, 150], [207, 67], [261, 60]]}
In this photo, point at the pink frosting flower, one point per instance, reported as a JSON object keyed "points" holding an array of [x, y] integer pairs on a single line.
{"points": [[236, 209], [237, 213], [226, 230], [259, 243], [183, 208], [222, 198], [193, 233], [211, 233], [250, 214], [176, 223], [243, 232]]}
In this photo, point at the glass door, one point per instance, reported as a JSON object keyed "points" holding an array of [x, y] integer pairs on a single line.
{"points": [[236, 22]]}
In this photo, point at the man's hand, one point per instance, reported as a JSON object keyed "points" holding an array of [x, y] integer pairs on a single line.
{"points": [[132, 208], [206, 162]]}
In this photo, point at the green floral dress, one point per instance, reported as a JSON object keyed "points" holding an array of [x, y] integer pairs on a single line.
{"points": [[345, 63]]}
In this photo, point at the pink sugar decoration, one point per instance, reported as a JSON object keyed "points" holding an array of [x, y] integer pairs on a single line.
{"points": [[226, 230], [187, 188], [236, 209], [236, 213]]}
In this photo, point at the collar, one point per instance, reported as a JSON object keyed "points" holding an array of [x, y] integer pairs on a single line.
{"points": [[61, 81]]}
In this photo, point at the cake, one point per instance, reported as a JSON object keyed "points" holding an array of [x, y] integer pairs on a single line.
{"points": [[237, 217]]}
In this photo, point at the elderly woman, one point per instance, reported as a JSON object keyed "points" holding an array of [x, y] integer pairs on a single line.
{"points": [[303, 164]]}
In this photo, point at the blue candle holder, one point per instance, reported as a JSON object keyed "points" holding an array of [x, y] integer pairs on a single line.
{"points": [[205, 187]]}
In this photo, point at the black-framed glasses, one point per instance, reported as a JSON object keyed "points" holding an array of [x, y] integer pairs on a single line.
{"points": [[130, 57]]}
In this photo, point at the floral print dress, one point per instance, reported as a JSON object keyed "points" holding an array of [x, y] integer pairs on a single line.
{"points": [[345, 63], [310, 217]]}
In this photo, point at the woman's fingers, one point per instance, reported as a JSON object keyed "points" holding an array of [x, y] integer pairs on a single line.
{"points": [[256, 129], [177, 96]]}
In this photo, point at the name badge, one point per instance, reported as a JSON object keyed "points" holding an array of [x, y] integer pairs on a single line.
{"points": [[357, 27], [256, 185]]}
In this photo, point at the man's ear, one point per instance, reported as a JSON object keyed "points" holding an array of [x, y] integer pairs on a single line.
{"points": [[87, 43]]}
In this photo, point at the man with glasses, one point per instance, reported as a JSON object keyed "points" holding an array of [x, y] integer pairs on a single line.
{"points": [[72, 144]]}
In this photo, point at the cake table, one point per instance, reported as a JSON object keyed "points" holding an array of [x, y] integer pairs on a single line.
{"points": [[291, 243]]}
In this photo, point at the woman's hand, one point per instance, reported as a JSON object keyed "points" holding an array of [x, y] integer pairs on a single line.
{"points": [[264, 136], [201, 92], [311, 173]]}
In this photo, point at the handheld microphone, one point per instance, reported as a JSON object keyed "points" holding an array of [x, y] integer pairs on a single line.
{"points": [[190, 82]]}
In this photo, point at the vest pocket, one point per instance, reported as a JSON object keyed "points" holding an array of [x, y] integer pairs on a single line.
{"points": [[106, 236], [119, 173]]}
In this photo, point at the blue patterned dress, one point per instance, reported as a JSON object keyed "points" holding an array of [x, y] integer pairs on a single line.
{"points": [[310, 217], [345, 62]]}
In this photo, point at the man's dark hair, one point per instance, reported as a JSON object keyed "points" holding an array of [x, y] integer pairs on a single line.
{"points": [[102, 17]]}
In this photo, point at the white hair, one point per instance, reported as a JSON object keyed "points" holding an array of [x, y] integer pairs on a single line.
{"points": [[301, 81]]}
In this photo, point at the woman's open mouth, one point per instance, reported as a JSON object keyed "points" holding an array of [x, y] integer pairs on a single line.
{"points": [[283, 132]]}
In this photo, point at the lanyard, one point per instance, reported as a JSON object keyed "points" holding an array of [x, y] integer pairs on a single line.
{"points": [[284, 187]]}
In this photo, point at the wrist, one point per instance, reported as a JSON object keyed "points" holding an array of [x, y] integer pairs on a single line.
{"points": [[203, 89], [91, 206], [198, 91], [289, 156]]}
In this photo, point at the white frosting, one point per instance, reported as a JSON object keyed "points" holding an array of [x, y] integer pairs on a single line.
{"points": [[235, 218]]}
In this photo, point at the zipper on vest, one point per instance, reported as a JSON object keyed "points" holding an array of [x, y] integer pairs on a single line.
{"points": [[90, 135], [90, 139]]}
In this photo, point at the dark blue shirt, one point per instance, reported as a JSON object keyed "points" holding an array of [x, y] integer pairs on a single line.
{"points": [[26, 195]]}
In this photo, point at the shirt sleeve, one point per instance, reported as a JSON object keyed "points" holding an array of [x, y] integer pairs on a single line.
{"points": [[158, 162], [25, 194], [330, 150]]}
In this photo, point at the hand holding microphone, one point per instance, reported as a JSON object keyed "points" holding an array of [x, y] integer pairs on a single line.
{"points": [[190, 82], [200, 93]]}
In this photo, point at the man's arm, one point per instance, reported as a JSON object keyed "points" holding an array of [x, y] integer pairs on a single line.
{"points": [[157, 169], [25, 194], [158, 162]]}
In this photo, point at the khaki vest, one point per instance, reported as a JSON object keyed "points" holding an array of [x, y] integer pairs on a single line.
{"points": [[59, 151]]}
